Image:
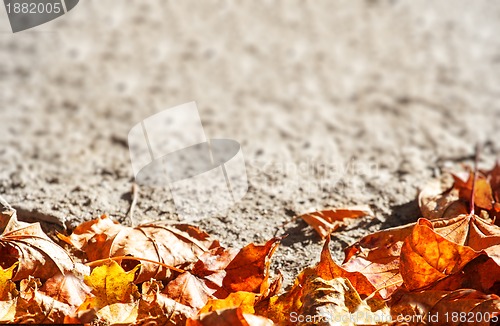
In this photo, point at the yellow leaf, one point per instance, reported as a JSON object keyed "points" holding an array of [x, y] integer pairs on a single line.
{"points": [[241, 299], [7, 287], [110, 284]]}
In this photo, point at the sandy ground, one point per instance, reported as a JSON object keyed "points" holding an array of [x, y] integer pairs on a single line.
{"points": [[357, 102]]}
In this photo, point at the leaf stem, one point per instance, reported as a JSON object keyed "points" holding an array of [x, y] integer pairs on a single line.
{"points": [[130, 213], [99, 261], [476, 172]]}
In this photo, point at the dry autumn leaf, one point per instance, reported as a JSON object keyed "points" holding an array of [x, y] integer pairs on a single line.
{"points": [[327, 221], [8, 310], [118, 314], [110, 284], [244, 300], [483, 196], [327, 269], [460, 307], [335, 301], [481, 274], [227, 271], [30, 304], [35, 307], [7, 287], [311, 282], [230, 317], [69, 288], [249, 269], [189, 290], [473, 231], [377, 255], [37, 254], [156, 308], [427, 257], [482, 236], [170, 245], [494, 179], [439, 200], [6, 212], [8, 294], [114, 296], [211, 265]]}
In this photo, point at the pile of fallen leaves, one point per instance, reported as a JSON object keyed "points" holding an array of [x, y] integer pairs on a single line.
{"points": [[443, 269]]}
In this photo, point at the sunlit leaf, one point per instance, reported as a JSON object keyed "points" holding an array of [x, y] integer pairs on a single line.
{"points": [[172, 245], [110, 284], [230, 317], [37, 254], [7, 287], [427, 257], [327, 221]]}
